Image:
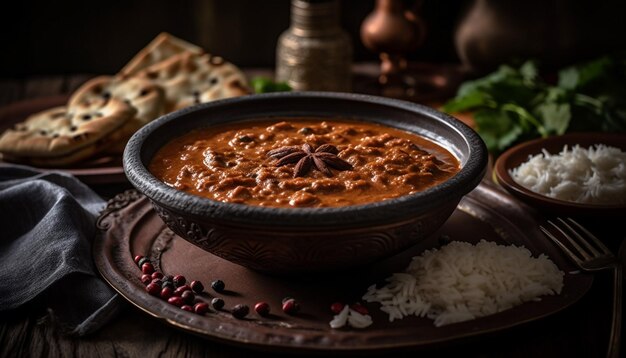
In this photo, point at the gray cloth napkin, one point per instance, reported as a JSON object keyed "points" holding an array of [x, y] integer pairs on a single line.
{"points": [[47, 223]]}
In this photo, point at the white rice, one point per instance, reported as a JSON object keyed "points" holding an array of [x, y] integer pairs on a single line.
{"points": [[594, 175], [461, 281]]}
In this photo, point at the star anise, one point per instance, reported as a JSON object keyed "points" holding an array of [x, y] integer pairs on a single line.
{"points": [[323, 158]]}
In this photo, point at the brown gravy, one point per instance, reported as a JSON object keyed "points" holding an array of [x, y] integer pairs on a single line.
{"points": [[230, 163]]}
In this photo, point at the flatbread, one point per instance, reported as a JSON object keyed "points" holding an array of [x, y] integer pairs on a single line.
{"points": [[63, 131], [148, 98], [189, 78], [162, 47], [167, 75]]}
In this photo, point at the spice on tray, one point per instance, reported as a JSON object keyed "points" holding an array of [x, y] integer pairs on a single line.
{"points": [[175, 300], [179, 290], [179, 280], [359, 308], [146, 279], [217, 303], [336, 307], [142, 261], [188, 297], [290, 306], [186, 308], [157, 274], [262, 309], [137, 258], [166, 292], [153, 289], [147, 268], [201, 308], [196, 286], [218, 285], [306, 157], [240, 311]]}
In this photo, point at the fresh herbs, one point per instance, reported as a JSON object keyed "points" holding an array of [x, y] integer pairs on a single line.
{"points": [[265, 85], [512, 104]]}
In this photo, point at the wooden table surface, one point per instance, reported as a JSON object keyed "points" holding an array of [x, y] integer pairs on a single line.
{"points": [[578, 331]]}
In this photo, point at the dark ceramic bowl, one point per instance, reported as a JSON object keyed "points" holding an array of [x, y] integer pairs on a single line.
{"points": [[515, 156], [300, 240]]}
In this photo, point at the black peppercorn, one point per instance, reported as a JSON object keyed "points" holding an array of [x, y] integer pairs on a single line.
{"points": [[240, 311], [217, 303], [218, 285], [142, 261]]}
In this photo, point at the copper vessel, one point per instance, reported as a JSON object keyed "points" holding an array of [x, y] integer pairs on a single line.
{"points": [[392, 31]]}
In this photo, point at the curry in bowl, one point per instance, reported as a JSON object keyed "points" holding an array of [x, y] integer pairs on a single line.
{"points": [[296, 162], [304, 182]]}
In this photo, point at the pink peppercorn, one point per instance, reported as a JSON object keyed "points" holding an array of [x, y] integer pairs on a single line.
{"points": [[337, 307], [188, 297], [179, 290], [176, 301], [290, 306], [153, 289], [359, 308], [187, 308], [166, 293], [262, 308], [197, 286], [157, 274], [137, 258], [146, 279], [147, 268], [179, 280], [201, 308]]}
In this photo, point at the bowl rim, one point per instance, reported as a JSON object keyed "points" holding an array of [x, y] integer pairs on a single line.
{"points": [[460, 184], [508, 160]]}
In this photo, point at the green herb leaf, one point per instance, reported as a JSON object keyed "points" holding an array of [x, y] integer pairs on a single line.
{"points": [[514, 104], [576, 77], [497, 128], [529, 72], [265, 85], [468, 101], [555, 116]]}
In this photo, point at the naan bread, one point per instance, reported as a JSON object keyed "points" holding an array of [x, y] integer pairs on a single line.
{"points": [[162, 47], [63, 131], [190, 78]]}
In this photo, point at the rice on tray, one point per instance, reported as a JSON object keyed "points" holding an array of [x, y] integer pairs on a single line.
{"points": [[461, 281]]}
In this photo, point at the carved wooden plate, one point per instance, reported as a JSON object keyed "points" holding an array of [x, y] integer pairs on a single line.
{"points": [[105, 169], [130, 227]]}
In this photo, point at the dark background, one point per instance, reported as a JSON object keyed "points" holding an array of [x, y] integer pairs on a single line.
{"points": [[57, 37], [62, 37]]}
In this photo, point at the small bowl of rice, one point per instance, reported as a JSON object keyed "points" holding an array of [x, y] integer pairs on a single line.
{"points": [[576, 174]]}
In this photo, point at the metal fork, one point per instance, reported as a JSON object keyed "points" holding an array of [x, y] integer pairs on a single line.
{"points": [[592, 255]]}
